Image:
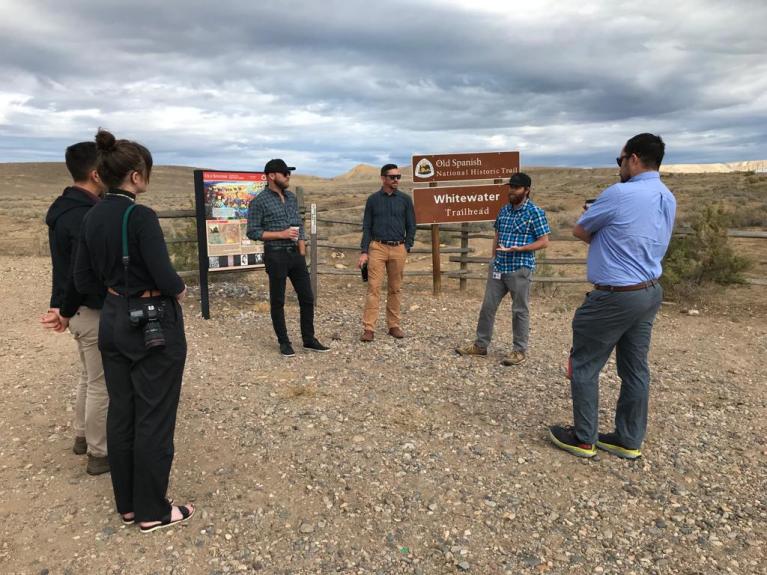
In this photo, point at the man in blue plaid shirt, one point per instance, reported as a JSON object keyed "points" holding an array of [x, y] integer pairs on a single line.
{"points": [[521, 229]]}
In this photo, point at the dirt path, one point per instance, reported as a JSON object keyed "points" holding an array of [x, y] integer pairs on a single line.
{"points": [[397, 456]]}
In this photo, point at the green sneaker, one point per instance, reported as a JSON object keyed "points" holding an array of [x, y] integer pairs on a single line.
{"points": [[564, 438], [609, 442]]}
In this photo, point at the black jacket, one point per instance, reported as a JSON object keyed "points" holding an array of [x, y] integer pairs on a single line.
{"points": [[64, 219], [99, 257]]}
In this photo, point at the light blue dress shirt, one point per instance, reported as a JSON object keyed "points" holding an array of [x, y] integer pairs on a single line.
{"points": [[631, 226]]}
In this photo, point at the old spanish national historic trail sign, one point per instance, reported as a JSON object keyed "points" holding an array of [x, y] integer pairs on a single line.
{"points": [[452, 167], [459, 204]]}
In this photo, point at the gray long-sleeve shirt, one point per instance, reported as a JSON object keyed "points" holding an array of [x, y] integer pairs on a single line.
{"points": [[388, 218]]}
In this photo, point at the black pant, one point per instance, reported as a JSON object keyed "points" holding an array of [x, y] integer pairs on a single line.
{"points": [[280, 265], [144, 387]]}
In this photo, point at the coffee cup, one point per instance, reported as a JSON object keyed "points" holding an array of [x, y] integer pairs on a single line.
{"points": [[296, 228]]}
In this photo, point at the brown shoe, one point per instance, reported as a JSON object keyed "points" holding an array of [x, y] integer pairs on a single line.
{"points": [[80, 447], [472, 349], [515, 358], [396, 332], [97, 465], [367, 335]]}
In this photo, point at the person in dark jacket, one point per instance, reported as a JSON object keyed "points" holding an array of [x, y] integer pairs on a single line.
{"points": [[69, 308], [141, 335]]}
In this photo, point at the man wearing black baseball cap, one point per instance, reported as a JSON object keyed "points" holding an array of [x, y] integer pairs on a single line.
{"points": [[273, 218], [521, 228]]}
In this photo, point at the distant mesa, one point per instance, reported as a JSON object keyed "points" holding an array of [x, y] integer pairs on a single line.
{"points": [[367, 172], [720, 168]]}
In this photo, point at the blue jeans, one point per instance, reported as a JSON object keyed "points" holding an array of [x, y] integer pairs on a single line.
{"points": [[606, 321]]}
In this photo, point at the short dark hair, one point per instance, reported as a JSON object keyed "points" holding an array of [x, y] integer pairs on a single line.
{"points": [[118, 158], [649, 148], [387, 167], [81, 160]]}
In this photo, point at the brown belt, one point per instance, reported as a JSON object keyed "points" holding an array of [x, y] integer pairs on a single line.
{"points": [[147, 293], [635, 287]]}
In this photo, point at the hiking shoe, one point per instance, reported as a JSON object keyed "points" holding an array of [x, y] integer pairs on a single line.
{"points": [[287, 350], [367, 335], [97, 465], [515, 358], [472, 349], [609, 442], [564, 438], [80, 447], [315, 345]]}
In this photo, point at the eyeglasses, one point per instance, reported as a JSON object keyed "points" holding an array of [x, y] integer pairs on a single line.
{"points": [[394, 176]]}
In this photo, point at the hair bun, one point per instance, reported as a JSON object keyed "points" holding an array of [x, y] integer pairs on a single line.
{"points": [[105, 141]]}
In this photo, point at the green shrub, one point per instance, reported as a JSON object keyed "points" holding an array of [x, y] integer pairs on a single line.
{"points": [[703, 256]]}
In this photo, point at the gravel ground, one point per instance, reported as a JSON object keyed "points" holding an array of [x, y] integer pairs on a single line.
{"points": [[396, 456]]}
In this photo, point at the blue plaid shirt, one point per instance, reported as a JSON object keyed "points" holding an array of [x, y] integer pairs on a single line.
{"points": [[267, 213], [518, 228]]}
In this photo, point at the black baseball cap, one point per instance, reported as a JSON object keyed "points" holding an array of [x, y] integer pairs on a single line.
{"points": [[277, 166], [520, 180]]}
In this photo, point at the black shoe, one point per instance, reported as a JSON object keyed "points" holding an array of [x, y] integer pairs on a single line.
{"points": [[564, 438], [609, 442], [315, 345], [287, 350]]}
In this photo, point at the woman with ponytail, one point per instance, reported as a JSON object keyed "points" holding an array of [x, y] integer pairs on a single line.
{"points": [[141, 333]]}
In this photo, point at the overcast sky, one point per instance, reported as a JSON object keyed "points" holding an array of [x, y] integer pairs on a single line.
{"points": [[328, 85]]}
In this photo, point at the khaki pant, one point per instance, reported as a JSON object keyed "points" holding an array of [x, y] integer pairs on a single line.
{"points": [[390, 260], [92, 400]]}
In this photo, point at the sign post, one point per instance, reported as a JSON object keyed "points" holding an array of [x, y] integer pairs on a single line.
{"points": [[463, 203], [313, 250]]}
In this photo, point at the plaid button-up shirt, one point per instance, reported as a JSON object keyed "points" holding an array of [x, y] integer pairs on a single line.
{"points": [[518, 228], [267, 213]]}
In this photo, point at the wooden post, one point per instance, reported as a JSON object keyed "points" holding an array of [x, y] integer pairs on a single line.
{"points": [[464, 254], [313, 252], [436, 267]]}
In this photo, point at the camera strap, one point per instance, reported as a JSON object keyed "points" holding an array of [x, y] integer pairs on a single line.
{"points": [[126, 256]]}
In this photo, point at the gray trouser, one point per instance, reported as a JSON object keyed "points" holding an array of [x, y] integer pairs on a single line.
{"points": [[517, 283], [607, 320]]}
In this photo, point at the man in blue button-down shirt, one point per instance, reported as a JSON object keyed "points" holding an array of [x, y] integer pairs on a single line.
{"points": [[628, 230], [521, 229]]}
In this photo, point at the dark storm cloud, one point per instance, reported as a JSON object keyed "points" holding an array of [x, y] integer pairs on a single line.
{"points": [[340, 82]]}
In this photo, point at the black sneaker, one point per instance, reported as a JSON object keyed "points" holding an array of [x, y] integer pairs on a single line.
{"points": [[287, 350], [609, 442], [315, 345], [564, 438]]}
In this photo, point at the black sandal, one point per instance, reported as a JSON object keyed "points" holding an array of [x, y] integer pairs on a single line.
{"points": [[132, 520], [186, 514]]}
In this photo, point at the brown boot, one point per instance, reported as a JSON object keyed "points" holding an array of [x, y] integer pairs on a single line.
{"points": [[80, 447], [367, 335], [396, 332], [97, 465]]}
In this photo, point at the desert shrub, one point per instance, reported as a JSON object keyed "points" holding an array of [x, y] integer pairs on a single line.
{"points": [[703, 256]]}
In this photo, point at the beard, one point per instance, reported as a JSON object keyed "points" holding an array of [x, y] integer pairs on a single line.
{"points": [[283, 185]]}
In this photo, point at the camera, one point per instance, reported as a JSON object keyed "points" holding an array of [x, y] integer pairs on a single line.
{"points": [[148, 316]]}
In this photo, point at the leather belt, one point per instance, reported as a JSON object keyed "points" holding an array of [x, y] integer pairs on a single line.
{"points": [[292, 248], [146, 293], [635, 287], [389, 242]]}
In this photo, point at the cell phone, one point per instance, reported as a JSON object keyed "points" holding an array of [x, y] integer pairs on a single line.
{"points": [[364, 272]]}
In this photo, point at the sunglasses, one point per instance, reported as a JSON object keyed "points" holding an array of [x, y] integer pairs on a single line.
{"points": [[286, 174], [619, 160], [394, 176]]}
